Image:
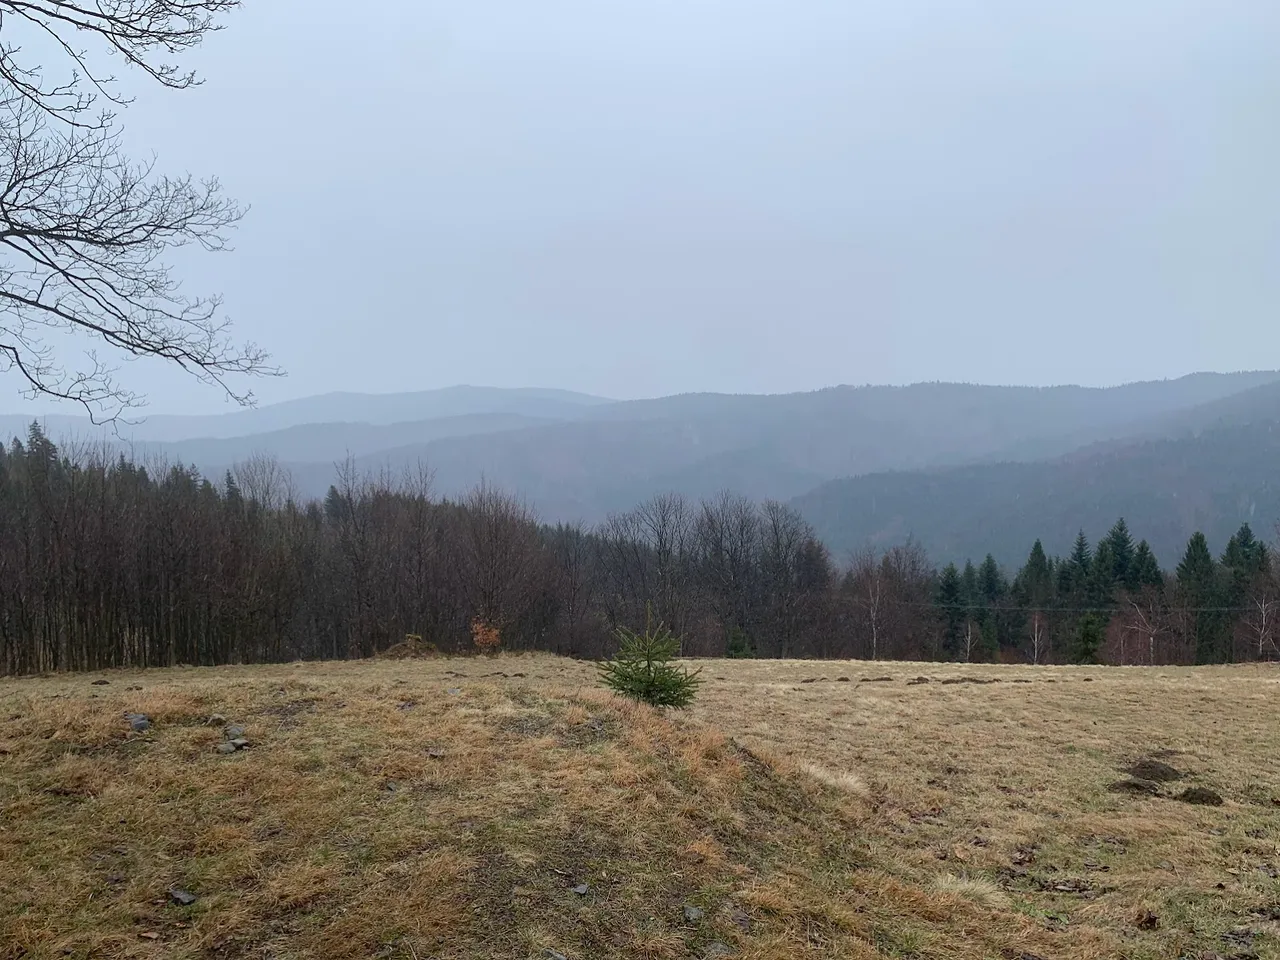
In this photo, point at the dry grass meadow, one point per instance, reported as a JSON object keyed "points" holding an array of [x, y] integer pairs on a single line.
{"points": [[443, 808]]}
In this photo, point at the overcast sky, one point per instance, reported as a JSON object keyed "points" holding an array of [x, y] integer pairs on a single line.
{"points": [[639, 197]]}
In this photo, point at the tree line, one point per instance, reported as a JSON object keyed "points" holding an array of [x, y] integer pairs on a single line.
{"points": [[109, 563]]}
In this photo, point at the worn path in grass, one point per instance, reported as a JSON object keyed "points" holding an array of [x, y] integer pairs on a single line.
{"points": [[507, 808]]}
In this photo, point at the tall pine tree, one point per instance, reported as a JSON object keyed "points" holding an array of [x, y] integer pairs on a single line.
{"points": [[949, 599], [1199, 595], [1120, 543], [1145, 570]]}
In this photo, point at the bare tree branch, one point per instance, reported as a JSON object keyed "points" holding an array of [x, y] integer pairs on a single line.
{"points": [[84, 231]]}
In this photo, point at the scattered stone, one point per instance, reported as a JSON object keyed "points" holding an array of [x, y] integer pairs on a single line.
{"points": [[581, 889], [1202, 796], [554, 955], [239, 743], [408, 705], [435, 753], [138, 721], [101, 683], [1147, 921], [454, 691], [1155, 770], [233, 731], [691, 913], [181, 897], [717, 948], [226, 748], [215, 720], [149, 936], [1136, 787], [739, 919]]}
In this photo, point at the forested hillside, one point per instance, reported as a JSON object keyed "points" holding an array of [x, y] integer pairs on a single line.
{"points": [[103, 563], [1211, 481]]}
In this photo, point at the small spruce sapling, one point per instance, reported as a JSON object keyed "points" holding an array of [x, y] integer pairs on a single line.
{"points": [[642, 668]]}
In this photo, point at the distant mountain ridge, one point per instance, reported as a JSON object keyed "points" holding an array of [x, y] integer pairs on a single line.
{"points": [[328, 408]]}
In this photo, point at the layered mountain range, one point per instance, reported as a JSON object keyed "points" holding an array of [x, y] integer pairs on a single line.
{"points": [[965, 469]]}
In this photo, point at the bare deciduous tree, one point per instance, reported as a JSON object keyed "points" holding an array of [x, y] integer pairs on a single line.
{"points": [[84, 231]]}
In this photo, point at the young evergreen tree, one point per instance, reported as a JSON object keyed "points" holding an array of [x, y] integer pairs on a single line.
{"points": [[642, 669]]}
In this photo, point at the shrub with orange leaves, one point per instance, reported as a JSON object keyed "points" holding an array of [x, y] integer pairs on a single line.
{"points": [[486, 637]]}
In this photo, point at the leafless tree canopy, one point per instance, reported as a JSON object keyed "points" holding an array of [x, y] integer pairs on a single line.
{"points": [[84, 230]]}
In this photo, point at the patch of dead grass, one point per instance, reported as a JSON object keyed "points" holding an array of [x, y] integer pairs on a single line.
{"points": [[378, 814]]}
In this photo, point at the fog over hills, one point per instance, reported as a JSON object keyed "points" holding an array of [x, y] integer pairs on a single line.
{"points": [[964, 468]]}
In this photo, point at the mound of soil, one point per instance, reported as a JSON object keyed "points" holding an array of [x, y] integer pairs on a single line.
{"points": [[1201, 796], [1149, 769]]}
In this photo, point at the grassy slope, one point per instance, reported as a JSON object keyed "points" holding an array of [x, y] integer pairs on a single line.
{"points": [[379, 814]]}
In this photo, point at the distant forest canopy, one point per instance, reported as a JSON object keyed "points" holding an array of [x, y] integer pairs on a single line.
{"points": [[104, 563]]}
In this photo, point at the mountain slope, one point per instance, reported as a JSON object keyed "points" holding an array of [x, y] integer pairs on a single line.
{"points": [[1166, 489], [373, 408], [781, 446], [329, 442]]}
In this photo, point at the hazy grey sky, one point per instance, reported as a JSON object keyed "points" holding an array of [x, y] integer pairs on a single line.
{"points": [[638, 197]]}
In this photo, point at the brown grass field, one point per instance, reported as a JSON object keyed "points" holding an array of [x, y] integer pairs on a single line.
{"points": [[447, 808]]}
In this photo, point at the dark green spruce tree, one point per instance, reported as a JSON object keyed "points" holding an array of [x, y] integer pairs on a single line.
{"points": [[1089, 635], [1033, 590], [1120, 543], [949, 600], [1145, 570], [1199, 595]]}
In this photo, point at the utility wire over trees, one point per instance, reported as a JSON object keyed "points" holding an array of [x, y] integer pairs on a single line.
{"points": [[85, 230]]}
